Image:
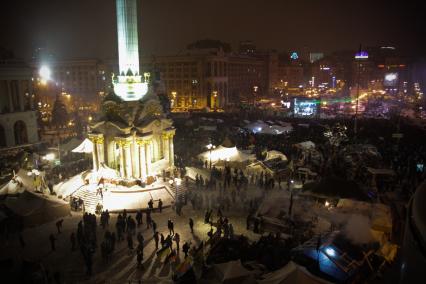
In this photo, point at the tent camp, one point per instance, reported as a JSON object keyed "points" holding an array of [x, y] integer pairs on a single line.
{"points": [[24, 180], [85, 147], [225, 154], [231, 272], [35, 209], [290, 274], [264, 128]]}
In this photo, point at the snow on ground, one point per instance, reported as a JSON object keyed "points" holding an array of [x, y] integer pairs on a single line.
{"points": [[123, 263]]}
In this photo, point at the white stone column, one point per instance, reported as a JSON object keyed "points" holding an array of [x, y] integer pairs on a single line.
{"points": [[95, 155], [166, 146], [128, 161], [122, 161], [101, 151], [171, 152], [142, 160], [148, 158], [136, 162]]}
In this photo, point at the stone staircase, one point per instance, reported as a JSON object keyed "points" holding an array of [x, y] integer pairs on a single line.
{"points": [[89, 197]]}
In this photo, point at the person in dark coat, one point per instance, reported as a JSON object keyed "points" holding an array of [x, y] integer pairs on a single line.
{"points": [[72, 239], [59, 225], [156, 239], [160, 205], [52, 241], [191, 225]]}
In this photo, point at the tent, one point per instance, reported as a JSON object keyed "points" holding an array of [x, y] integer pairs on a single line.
{"points": [[290, 274], [85, 147], [231, 272], [36, 209], [70, 145], [67, 187], [306, 145], [228, 154], [275, 154]]}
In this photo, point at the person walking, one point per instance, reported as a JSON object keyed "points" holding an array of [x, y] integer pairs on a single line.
{"points": [[139, 257], [72, 239], [170, 227], [156, 239], [59, 225], [191, 225], [129, 241], [140, 238], [151, 204], [185, 249], [139, 217], [177, 240], [160, 205], [154, 226], [52, 242]]}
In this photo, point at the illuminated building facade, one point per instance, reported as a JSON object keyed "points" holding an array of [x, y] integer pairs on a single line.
{"points": [[212, 78], [18, 122], [88, 79], [133, 136]]}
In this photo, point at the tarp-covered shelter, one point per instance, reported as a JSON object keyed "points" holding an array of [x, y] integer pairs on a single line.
{"points": [[231, 272], [291, 274], [306, 145], [35, 209], [225, 154], [84, 147], [275, 154], [70, 145]]}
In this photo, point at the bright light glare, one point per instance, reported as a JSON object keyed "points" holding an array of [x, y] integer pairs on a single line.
{"points": [[49, 157], [45, 73], [331, 252]]}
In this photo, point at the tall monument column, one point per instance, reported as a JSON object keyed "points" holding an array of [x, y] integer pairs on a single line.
{"points": [[127, 29]]}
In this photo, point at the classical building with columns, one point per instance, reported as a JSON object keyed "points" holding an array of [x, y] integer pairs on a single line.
{"points": [[139, 148], [18, 120]]}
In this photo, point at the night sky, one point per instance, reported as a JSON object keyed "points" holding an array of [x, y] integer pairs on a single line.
{"points": [[86, 28]]}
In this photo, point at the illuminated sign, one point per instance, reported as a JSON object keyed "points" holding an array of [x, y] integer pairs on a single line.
{"points": [[361, 55], [303, 108], [294, 55]]}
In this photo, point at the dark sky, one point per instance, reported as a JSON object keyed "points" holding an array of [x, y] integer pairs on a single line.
{"points": [[86, 28]]}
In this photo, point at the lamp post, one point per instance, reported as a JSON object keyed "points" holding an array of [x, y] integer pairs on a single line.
{"points": [[214, 99], [210, 147]]}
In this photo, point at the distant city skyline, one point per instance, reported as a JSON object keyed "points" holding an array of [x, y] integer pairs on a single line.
{"points": [[87, 29]]}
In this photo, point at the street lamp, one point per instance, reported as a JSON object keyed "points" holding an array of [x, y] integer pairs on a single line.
{"points": [[210, 147], [214, 99]]}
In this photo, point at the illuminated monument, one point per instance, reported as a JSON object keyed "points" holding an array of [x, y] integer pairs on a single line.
{"points": [[133, 136]]}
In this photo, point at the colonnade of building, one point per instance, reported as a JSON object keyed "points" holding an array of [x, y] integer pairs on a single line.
{"points": [[136, 157]]}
